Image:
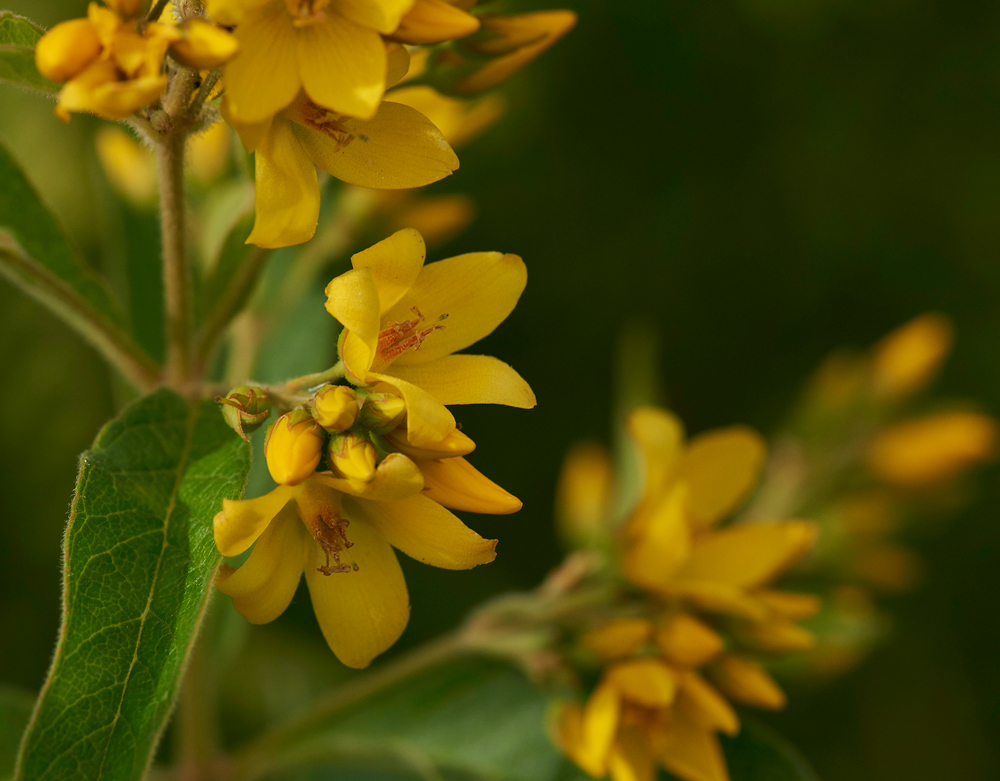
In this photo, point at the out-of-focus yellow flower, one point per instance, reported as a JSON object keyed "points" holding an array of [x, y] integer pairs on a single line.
{"points": [[331, 49], [434, 21], [507, 44], [293, 448], [208, 152], [398, 148], [130, 167], [438, 218], [459, 121], [341, 533], [335, 407], [928, 450], [909, 357], [584, 495], [113, 64], [204, 45], [403, 322]]}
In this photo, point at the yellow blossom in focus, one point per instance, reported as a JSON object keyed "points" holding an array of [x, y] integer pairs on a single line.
{"points": [[331, 49], [341, 533], [396, 149], [909, 357], [130, 167], [928, 450], [293, 448], [404, 322]]}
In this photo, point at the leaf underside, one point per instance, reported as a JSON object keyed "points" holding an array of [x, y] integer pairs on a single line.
{"points": [[139, 563]]}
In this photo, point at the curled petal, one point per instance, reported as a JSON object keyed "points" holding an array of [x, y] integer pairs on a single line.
{"points": [[397, 477], [394, 264], [469, 379], [243, 521], [457, 484], [428, 421], [352, 298]]}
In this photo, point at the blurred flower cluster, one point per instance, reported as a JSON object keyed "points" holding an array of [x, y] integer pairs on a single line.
{"points": [[371, 465]]}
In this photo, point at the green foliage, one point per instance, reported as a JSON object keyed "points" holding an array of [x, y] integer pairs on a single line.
{"points": [[35, 256], [139, 565], [18, 37], [760, 754]]}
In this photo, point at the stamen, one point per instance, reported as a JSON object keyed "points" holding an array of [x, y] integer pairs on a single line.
{"points": [[326, 122], [330, 532], [399, 336]]}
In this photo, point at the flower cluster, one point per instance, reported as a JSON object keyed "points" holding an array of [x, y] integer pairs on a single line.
{"points": [[684, 615], [379, 463]]}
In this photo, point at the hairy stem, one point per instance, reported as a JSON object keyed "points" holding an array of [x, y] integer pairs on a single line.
{"points": [[335, 372], [263, 753]]}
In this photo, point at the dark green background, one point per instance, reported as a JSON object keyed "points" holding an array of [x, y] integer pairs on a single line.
{"points": [[762, 180]]}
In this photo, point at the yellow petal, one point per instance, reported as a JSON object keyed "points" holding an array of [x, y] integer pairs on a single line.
{"points": [[381, 15], [569, 736], [397, 64], [632, 757], [776, 635], [747, 682], [720, 467], [425, 531], [459, 120], [287, 191], [343, 65], [453, 445], [394, 264], [264, 586], [687, 641], [618, 638], [694, 753], [434, 21], [542, 28], [584, 494], [397, 477], [601, 715], [66, 49], [455, 483], [204, 45], [468, 379], [909, 357], [252, 134], [790, 604], [646, 682], [701, 699], [427, 419], [659, 436], [748, 554], [232, 12], [264, 77], [243, 521], [476, 292], [722, 598], [396, 149], [352, 298], [659, 552], [363, 612]]}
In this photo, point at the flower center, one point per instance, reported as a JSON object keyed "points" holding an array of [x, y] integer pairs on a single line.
{"points": [[398, 337], [326, 122], [330, 532], [306, 11]]}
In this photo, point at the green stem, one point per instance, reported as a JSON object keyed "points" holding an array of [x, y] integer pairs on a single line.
{"points": [[198, 755], [157, 10], [335, 372], [263, 754]]}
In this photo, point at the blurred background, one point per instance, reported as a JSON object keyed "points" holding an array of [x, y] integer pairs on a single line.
{"points": [[759, 181]]}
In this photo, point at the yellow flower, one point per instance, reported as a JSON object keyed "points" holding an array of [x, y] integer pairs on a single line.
{"points": [[293, 448], [340, 533], [331, 49], [113, 67], [404, 321], [130, 168], [398, 148], [583, 495], [909, 357], [931, 449]]}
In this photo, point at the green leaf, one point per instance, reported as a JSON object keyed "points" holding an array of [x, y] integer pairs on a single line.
{"points": [[35, 256], [139, 565], [18, 37], [15, 710], [471, 718], [758, 753]]}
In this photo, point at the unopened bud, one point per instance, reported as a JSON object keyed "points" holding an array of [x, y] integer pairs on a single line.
{"points": [[66, 49], [293, 448], [245, 409], [126, 9], [204, 45], [335, 407], [382, 411], [434, 21], [351, 457], [909, 357], [747, 682]]}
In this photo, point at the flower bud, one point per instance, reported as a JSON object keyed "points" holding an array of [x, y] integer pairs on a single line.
{"points": [[335, 407], [204, 45], [747, 682], [351, 457], [382, 411], [293, 448], [434, 21], [932, 449], [66, 49], [245, 409], [457, 484], [684, 640], [126, 9]]}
